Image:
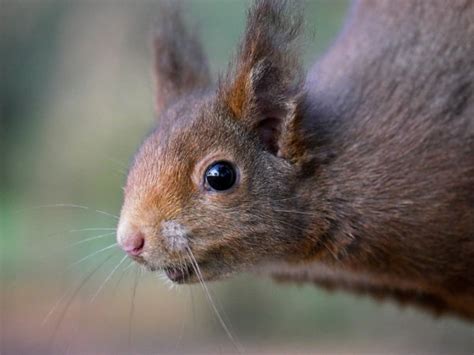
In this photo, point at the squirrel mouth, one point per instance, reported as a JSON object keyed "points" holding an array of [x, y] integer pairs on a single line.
{"points": [[179, 274]]}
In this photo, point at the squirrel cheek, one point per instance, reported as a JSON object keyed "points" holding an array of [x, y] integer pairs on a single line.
{"points": [[175, 236]]}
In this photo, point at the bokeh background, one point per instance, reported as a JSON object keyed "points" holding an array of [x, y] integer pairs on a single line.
{"points": [[76, 100]]}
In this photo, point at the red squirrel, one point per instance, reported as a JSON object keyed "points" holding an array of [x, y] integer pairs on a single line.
{"points": [[357, 176]]}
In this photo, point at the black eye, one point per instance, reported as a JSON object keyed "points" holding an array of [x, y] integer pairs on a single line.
{"points": [[220, 176]]}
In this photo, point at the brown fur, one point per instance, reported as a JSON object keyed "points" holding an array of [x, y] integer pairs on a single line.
{"points": [[360, 177]]}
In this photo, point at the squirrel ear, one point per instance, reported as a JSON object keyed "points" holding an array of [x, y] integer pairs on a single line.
{"points": [[180, 64], [264, 83]]}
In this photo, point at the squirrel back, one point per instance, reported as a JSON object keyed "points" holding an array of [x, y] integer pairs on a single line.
{"points": [[395, 97]]}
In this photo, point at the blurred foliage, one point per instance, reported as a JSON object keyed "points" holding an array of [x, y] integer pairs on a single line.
{"points": [[76, 100]]}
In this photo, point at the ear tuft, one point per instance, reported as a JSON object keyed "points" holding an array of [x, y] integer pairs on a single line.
{"points": [[265, 79], [180, 63]]}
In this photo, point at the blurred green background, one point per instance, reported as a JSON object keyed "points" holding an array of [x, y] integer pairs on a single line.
{"points": [[76, 100]]}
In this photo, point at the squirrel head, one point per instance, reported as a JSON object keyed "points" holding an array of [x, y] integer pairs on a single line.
{"points": [[210, 184]]}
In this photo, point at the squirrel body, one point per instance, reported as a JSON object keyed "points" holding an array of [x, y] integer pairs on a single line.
{"points": [[358, 176]]}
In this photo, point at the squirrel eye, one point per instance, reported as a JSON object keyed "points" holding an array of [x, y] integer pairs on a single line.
{"points": [[220, 176]]}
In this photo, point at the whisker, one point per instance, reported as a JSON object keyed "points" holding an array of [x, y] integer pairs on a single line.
{"points": [[55, 306], [132, 309], [107, 279], [71, 231], [92, 229], [91, 255], [108, 214], [123, 273], [54, 205], [64, 271], [181, 331], [197, 270], [72, 337], [193, 309], [66, 205], [132, 263], [162, 276], [71, 299], [89, 239], [63, 296]]}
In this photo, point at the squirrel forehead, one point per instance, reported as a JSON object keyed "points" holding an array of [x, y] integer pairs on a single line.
{"points": [[191, 129], [160, 178]]}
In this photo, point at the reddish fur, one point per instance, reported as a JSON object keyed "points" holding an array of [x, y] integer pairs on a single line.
{"points": [[370, 188]]}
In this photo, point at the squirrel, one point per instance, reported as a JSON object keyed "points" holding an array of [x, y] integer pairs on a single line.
{"points": [[358, 175]]}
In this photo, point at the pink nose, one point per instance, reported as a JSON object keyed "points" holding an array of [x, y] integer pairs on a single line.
{"points": [[133, 244]]}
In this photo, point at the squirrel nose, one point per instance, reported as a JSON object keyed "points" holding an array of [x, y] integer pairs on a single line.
{"points": [[133, 243]]}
